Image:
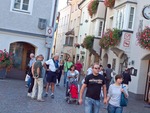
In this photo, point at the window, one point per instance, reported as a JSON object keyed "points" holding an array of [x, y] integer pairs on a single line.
{"points": [[100, 28], [22, 5], [69, 41], [131, 16], [119, 19]]}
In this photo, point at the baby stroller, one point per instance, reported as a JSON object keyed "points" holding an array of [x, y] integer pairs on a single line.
{"points": [[72, 92]]}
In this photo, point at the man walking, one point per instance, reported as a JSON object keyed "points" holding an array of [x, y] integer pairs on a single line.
{"points": [[51, 73], [126, 77], [108, 71], [38, 80], [93, 83]]}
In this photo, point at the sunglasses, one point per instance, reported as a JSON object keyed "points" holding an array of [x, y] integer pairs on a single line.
{"points": [[96, 68]]}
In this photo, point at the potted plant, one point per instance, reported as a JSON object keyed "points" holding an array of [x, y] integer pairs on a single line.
{"points": [[5, 62], [144, 38], [109, 3], [111, 38], [92, 7], [88, 42]]}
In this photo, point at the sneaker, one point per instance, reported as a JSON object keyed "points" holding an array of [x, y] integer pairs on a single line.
{"points": [[46, 95], [29, 94], [52, 96], [40, 100], [26, 86]]}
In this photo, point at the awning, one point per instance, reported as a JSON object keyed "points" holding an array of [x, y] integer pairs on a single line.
{"points": [[70, 32]]}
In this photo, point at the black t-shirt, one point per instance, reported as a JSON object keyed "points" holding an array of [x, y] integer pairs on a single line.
{"points": [[94, 84]]}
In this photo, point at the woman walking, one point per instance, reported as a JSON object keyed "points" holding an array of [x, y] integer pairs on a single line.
{"points": [[114, 95]]}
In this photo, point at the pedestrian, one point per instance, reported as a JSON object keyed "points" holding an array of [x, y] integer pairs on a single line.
{"points": [[72, 74], [114, 95], [67, 66], [38, 80], [126, 77], [93, 83], [101, 70], [32, 61], [108, 72], [89, 70], [61, 68], [78, 66], [52, 73]]}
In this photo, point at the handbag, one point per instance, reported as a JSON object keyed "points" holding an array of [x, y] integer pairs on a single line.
{"points": [[123, 99]]}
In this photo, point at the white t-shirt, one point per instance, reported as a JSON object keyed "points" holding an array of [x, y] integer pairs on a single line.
{"points": [[51, 64], [89, 71]]}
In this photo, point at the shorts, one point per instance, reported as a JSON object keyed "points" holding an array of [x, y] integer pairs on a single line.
{"points": [[51, 77]]}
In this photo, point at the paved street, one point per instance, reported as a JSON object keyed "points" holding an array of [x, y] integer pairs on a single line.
{"points": [[13, 99]]}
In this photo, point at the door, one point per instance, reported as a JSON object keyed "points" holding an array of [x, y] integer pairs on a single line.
{"points": [[147, 88]]}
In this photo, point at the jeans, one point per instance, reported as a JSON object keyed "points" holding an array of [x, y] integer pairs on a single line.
{"points": [[29, 82], [114, 109], [65, 78], [91, 105], [31, 85], [38, 83]]}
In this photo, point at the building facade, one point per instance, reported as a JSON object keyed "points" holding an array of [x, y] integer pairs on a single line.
{"points": [[23, 30], [127, 16]]}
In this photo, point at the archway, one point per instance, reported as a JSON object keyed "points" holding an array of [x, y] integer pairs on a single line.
{"points": [[146, 63], [105, 60], [21, 57], [123, 62]]}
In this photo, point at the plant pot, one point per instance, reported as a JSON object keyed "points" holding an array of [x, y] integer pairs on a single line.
{"points": [[2, 73]]}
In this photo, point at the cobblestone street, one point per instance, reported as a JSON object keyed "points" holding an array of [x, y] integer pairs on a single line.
{"points": [[13, 99]]}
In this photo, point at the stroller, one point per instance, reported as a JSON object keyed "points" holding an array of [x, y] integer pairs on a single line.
{"points": [[72, 91]]}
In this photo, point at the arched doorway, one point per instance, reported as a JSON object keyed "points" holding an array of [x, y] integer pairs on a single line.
{"points": [[123, 62], [21, 57], [146, 60], [105, 60]]}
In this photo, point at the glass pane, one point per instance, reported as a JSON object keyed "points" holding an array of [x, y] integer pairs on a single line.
{"points": [[130, 25], [17, 50], [26, 1], [25, 7], [17, 5], [17, 1], [132, 10]]}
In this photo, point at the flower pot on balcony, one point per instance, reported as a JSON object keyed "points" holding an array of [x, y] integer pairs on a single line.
{"points": [[2, 73]]}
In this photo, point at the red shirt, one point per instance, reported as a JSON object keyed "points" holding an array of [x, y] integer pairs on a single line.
{"points": [[78, 66]]}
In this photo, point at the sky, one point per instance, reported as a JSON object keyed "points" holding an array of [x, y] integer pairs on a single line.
{"points": [[61, 4]]}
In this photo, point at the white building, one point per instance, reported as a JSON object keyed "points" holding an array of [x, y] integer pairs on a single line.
{"points": [[127, 16], [23, 30]]}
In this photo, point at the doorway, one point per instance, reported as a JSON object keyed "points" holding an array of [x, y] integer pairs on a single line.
{"points": [[21, 57], [147, 88]]}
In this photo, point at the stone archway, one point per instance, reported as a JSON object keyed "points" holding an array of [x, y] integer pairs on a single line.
{"points": [[21, 58], [105, 60]]}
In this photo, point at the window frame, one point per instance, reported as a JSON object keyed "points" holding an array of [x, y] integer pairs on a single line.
{"points": [[68, 41], [133, 19], [20, 10]]}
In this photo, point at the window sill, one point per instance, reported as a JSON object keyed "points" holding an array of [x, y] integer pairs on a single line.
{"points": [[68, 45], [21, 11]]}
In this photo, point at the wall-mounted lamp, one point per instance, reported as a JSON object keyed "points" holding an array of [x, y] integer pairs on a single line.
{"points": [[132, 62]]}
